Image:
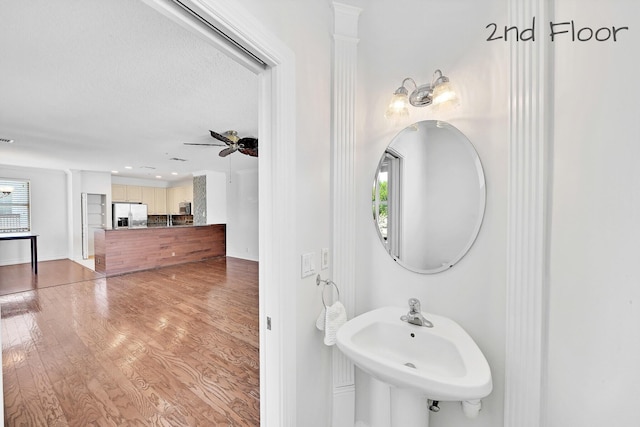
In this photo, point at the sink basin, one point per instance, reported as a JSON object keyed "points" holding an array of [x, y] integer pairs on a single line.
{"points": [[442, 362]]}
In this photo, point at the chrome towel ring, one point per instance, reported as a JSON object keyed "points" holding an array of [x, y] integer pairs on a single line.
{"points": [[325, 283]]}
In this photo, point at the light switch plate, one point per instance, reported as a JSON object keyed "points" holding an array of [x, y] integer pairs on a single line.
{"points": [[324, 259], [308, 264]]}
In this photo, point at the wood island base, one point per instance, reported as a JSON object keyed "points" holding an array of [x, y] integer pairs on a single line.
{"points": [[124, 251]]}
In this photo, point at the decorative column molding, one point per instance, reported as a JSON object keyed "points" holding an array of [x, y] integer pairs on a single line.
{"points": [[530, 127], [343, 194]]}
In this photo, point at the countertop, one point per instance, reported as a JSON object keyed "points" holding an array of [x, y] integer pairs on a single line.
{"points": [[155, 227], [170, 226]]}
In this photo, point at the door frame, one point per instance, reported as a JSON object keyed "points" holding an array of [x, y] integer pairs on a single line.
{"points": [[277, 172]]}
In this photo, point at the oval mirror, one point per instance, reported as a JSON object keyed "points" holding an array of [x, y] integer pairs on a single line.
{"points": [[428, 196]]}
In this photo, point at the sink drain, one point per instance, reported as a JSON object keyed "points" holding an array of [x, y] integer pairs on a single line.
{"points": [[411, 365]]}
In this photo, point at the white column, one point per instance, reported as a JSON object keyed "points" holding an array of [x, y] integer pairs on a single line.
{"points": [[343, 193], [528, 216]]}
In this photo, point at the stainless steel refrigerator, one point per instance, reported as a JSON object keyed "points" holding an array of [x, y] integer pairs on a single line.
{"points": [[129, 215]]}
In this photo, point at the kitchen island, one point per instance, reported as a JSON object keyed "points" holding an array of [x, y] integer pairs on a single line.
{"points": [[134, 249]]}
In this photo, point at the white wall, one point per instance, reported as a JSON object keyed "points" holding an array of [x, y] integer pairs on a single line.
{"points": [[242, 214], [216, 197], [48, 215], [450, 36], [594, 339], [306, 28]]}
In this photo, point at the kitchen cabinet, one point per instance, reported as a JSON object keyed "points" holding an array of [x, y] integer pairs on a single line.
{"points": [[159, 200], [160, 195], [118, 193], [134, 193], [126, 193], [176, 195], [149, 199], [156, 200], [172, 200]]}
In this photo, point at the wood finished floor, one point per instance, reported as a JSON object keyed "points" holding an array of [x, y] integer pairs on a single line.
{"points": [[176, 346], [20, 278]]}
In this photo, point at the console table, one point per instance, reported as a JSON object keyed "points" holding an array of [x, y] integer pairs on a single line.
{"points": [[34, 245]]}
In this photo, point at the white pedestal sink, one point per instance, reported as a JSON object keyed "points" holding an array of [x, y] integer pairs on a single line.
{"points": [[438, 363], [408, 408]]}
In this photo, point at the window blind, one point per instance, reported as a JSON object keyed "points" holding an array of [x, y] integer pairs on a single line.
{"points": [[15, 209]]}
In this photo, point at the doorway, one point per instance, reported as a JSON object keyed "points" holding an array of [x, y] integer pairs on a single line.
{"points": [[93, 216], [277, 170]]}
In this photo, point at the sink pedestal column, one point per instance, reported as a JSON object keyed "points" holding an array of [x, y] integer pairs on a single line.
{"points": [[408, 408]]}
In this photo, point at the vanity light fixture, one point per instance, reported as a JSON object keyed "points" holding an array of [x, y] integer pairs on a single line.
{"points": [[438, 91]]}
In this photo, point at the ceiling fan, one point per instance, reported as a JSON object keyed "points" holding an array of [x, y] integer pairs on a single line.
{"points": [[246, 145]]}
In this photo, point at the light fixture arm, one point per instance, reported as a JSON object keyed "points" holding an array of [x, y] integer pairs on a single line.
{"points": [[409, 79], [439, 79]]}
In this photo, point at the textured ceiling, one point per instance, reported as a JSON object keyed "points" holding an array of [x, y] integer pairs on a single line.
{"points": [[100, 85]]}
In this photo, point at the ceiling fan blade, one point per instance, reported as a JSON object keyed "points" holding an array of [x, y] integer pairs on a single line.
{"points": [[209, 144], [227, 151], [219, 137]]}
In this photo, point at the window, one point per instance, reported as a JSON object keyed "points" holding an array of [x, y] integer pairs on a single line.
{"points": [[386, 199], [15, 209]]}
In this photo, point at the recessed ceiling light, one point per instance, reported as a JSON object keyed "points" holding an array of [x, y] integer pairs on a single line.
{"points": [[114, 171], [158, 176], [128, 167], [174, 173]]}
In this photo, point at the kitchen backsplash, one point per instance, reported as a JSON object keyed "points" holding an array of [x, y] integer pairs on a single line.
{"points": [[200, 199], [161, 220]]}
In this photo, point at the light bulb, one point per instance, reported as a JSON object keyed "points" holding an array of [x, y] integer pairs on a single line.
{"points": [[444, 92], [398, 106]]}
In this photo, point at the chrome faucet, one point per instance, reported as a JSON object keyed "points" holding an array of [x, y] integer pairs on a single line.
{"points": [[415, 316]]}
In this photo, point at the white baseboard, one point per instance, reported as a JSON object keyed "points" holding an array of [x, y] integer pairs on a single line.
{"points": [[248, 257], [344, 404]]}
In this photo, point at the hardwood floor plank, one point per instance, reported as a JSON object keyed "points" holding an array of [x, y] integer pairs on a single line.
{"points": [[78, 406], [48, 400], [176, 346], [28, 399]]}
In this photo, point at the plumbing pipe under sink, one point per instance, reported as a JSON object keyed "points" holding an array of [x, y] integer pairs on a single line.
{"points": [[471, 407]]}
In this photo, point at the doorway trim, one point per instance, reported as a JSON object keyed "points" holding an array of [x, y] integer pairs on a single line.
{"points": [[277, 172]]}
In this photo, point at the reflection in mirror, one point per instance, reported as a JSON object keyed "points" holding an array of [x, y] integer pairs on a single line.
{"points": [[428, 196]]}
